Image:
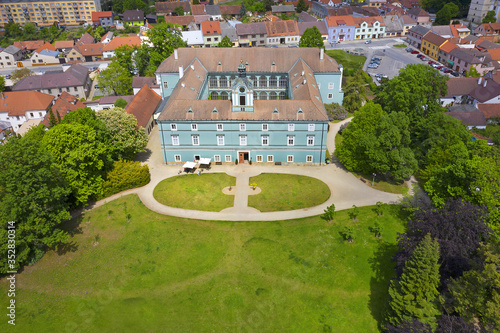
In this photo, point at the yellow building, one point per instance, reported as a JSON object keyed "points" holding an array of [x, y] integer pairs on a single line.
{"points": [[47, 12], [431, 44]]}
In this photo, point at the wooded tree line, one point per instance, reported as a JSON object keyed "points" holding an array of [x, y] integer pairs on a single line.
{"points": [[47, 173], [447, 262]]}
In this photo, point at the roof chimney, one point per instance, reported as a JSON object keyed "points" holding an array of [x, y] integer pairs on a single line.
{"points": [[305, 81], [321, 54], [484, 83], [303, 72], [479, 80], [176, 56], [181, 72]]}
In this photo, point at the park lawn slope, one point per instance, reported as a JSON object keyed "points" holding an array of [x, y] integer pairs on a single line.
{"points": [[198, 192], [287, 192], [128, 269]]}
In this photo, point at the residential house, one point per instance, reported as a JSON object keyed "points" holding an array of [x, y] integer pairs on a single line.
{"points": [[108, 36], [420, 16], [322, 8], [282, 32], [460, 30], [104, 19], [6, 130], [143, 106], [494, 54], [74, 55], [409, 4], [193, 38], [458, 90], [393, 26], [463, 59], [229, 31], [283, 9], [369, 27], [106, 102], [168, 8], [340, 11], [321, 25], [27, 125], [45, 55], [151, 18], [415, 35], [184, 21], [91, 52], [491, 112], [74, 80], [258, 104], [251, 34], [109, 50], [29, 46], [17, 107], [64, 45], [10, 56], [407, 23], [134, 17], [486, 91], [198, 10], [139, 81], [230, 11], [62, 106], [431, 44], [376, 3], [212, 33], [305, 17], [364, 11], [214, 12], [444, 51], [86, 39], [488, 29], [340, 28], [468, 115]]}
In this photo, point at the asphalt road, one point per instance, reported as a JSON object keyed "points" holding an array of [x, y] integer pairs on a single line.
{"points": [[43, 69]]}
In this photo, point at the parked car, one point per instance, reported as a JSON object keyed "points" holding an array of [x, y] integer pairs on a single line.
{"points": [[455, 74], [442, 69], [372, 65], [368, 42], [448, 70], [420, 56], [409, 49], [439, 67], [7, 76], [96, 86], [293, 45], [414, 51], [424, 59], [431, 62]]}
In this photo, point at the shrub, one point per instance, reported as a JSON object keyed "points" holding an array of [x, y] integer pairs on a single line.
{"points": [[335, 111], [329, 213], [373, 86], [125, 175], [342, 128], [120, 103], [347, 234]]}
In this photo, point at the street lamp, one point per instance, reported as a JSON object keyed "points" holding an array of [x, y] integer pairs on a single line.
{"points": [[373, 181]]}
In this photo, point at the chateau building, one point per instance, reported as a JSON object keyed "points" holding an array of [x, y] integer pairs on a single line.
{"points": [[263, 105]]}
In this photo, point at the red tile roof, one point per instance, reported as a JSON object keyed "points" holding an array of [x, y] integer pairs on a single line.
{"points": [[97, 15], [369, 19], [282, 28], [448, 46], [198, 10], [90, 49], [180, 20], [210, 28], [64, 104], [29, 45], [335, 21], [490, 110], [17, 103], [46, 46], [121, 41], [64, 44], [143, 105], [494, 54]]}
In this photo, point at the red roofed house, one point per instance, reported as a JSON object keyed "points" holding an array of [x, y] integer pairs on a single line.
{"points": [[420, 16], [104, 19], [17, 107], [90, 52], [491, 111], [143, 107], [29, 45], [86, 39], [64, 104], [64, 45], [109, 50], [282, 32], [340, 28], [444, 50], [369, 27], [488, 29], [494, 54], [212, 33]]}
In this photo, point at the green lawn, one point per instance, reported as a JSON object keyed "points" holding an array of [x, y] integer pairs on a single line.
{"points": [[158, 273], [287, 192], [399, 45], [350, 62], [203, 192]]}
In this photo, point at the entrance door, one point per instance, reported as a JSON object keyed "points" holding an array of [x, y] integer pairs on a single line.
{"points": [[241, 158], [242, 100]]}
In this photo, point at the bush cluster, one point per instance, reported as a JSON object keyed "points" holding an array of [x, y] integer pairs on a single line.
{"points": [[125, 175]]}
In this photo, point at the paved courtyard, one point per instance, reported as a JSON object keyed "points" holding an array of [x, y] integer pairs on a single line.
{"points": [[346, 189]]}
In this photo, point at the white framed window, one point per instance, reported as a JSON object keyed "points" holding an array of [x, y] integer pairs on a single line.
{"points": [[196, 140], [330, 96], [173, 127], [310, 140], [289, 158], [311, 127], [309, 158], [290, 139], [270, 158], [265, 140], [228, 158], [175, 140], [194, 127], [259, 158], [243, 127], [291, 127], [330, 85], [265, 127], [243, 140], [177, 158], [217, 158], [219, 127], [220, 140]]}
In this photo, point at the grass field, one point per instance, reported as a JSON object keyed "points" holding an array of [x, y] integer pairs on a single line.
{"points": [[287, 192], [158, 273], [400, 45], [349, 61], [203, 192]]}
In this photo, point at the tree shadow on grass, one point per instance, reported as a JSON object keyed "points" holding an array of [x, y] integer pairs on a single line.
{"points": [[383, 267], [72, 227]]}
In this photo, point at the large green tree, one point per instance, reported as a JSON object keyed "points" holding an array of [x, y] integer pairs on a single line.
{"points": [[490, 17], [126, 137], [34, 196], [416, 91], [116, 80], [415, 294], [354, 91], [445, 14], [18, 74], [79, 156], [301, 7], [225, 42], [311, 38], [2, 83]]}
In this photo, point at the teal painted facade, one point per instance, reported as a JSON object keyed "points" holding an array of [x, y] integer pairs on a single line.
{"points": [[168, 81], [330, 87], [266, 142]]}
